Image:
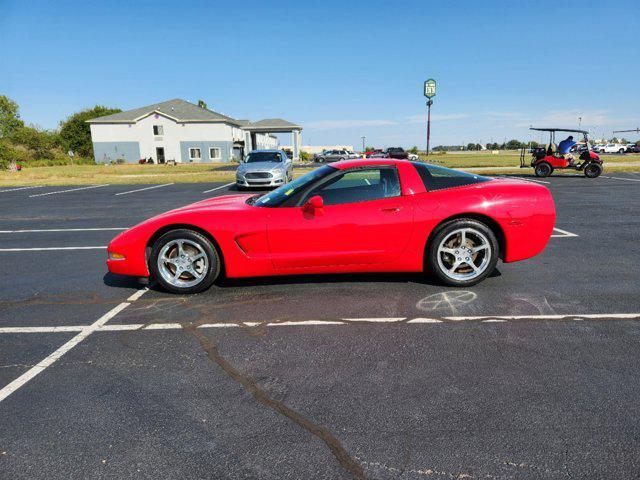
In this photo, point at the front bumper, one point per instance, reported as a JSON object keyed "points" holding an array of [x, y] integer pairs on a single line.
{"points": [[274, 181]]}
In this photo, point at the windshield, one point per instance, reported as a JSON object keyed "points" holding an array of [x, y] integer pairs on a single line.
{"points": [[256, 157], [280, 194]]}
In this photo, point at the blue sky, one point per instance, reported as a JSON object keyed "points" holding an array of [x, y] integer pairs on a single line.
{"points": [[340, 69]]}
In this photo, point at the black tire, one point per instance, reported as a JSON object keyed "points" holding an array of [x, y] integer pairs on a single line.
{"points": [[621, 150], [543, 169], [447, 229], [341, 159], [593, 170], [213, 261], [320, 160], [240, 188]]}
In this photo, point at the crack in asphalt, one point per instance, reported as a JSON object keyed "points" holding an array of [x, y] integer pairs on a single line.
{"points": [[251, 386]]}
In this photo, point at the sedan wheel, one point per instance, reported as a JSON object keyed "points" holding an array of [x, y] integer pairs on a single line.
{"points": [[463, 252], [184, 261]]}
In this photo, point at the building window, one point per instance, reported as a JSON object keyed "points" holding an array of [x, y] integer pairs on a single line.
{"points": [[195, 154], [158, 130], [214, 153]]}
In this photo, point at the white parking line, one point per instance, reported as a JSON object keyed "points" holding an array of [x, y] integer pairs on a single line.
{"points": [[45, 230], [66, 191], [20, 188], [219, 188], [622, 178], [50, 249], [115, 327], [563, 233], [56, 355], [143, 189]]}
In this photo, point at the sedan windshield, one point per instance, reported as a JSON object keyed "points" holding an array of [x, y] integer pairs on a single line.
{"points": [[256, 157], [278, 196]]}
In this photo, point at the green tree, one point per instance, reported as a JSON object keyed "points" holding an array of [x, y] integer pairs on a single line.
{"points": [[202, 104], [7, 154], [513, 145], [413, 150], [9, 116], [75, 133], [40, 142]]}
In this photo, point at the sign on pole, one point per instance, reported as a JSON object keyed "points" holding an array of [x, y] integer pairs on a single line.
{"points": [[430, 88]]}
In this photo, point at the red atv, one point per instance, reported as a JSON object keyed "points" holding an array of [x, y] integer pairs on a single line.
{"points": [[545, 160]]}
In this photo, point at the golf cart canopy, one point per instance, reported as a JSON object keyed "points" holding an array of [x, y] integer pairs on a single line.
{"points": [[570, 130]]}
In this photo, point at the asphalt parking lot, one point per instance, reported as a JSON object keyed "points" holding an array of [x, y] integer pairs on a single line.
{"points": [[534, 373]]}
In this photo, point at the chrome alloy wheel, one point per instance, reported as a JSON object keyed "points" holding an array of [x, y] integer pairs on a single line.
{"points": [[183, 263], [464, 254]]}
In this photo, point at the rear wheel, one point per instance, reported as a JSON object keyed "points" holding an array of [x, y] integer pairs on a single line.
{"points": [[184, 261], [321, 160], [463, 252], [543, 169], [621, 150], [593, 170]]}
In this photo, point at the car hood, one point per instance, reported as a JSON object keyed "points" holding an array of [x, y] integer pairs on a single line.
{"points": [[224, 202], [260, 167]]}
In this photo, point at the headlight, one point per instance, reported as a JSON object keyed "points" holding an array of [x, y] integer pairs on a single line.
{"points": [[116, 256]]}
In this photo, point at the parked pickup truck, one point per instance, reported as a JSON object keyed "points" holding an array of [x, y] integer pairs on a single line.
{"points": [[396, 152]]}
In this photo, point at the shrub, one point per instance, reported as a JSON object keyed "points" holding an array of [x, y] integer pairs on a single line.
{"points": [[304, 156], [7, 155]]}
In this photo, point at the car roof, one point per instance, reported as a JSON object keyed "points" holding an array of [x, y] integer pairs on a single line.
{"points": [[355, 163], [270, 150]]}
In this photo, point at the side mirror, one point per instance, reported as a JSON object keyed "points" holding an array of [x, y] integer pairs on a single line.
{"points": [[315, 203]]}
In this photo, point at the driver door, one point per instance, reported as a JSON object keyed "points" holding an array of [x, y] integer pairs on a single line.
{"points": [[364, 220]]}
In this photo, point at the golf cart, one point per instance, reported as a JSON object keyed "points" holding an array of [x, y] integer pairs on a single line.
{"points": [[545, 160]]}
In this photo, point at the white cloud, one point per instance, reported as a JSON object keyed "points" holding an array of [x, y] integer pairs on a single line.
{"points": [[560, 118], [436, 117], [337, 124]]}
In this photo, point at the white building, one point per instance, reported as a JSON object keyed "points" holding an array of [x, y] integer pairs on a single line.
{"points": [[184, 132]]}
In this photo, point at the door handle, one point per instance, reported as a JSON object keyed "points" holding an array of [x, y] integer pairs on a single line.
{"points": [[391, 209]]}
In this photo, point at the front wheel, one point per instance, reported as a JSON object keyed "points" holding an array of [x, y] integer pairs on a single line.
{"points": [[543, 169], [621, 150], [593, 170], [184, 261], [463, 252]]}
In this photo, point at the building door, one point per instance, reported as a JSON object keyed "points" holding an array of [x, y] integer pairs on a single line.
{"points": [[160, 154]]}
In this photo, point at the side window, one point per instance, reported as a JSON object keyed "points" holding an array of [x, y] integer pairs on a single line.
{"points": [[439, 178], [158, 130], [358, 185]]}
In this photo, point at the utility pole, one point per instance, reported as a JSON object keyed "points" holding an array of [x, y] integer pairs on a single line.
{"points": [[363, 139], [429, 92]]}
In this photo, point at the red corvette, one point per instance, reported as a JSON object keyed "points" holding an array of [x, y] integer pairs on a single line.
{"points": [[354, 216]]}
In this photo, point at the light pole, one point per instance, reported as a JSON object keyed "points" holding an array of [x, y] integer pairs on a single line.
{"points": [[579, 122], [363, 139], [429, 92]]}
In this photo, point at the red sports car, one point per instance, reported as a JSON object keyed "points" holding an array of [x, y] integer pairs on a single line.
{"points": [[370, 215]]}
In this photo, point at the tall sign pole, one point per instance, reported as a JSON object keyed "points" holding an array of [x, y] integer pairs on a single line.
{"points": [[429, 92]]}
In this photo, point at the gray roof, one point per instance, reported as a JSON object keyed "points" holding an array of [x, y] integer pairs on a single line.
{"points": [[180, 110], [271, 125]]}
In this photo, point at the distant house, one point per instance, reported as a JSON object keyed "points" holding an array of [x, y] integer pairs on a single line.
{"points": [[184, 132]]}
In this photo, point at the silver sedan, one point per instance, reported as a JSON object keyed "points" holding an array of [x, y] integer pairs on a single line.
{"points": [[264, 168]]}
